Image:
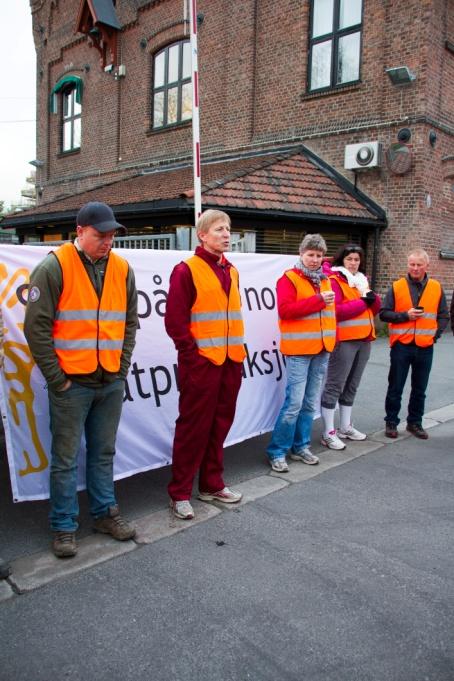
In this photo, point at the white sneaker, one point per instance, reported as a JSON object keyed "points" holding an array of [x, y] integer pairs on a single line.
{"points": [[351, 433], [279, 465], [226, 496], [182, 509], [332, 441], [305, 456]]}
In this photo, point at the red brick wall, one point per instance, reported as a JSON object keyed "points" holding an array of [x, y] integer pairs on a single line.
{"points": [[253, 69]]}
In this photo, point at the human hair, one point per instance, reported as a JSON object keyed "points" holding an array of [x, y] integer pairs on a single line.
{"points": [[313, 242], [419, 253], [346, 249], [209, 217]]}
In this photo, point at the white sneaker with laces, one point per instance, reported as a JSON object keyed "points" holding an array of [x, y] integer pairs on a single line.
{"points": [[279, 465], [226, 496], [351, 433], [182, 509], [331, 441], [305, 456]]}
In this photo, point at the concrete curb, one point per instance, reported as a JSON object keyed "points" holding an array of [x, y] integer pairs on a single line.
{"points": [[34, 571]]}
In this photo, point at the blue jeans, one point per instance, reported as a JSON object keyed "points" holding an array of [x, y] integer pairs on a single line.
{"points": [[96, 411], [294, 424], [402, 358]]}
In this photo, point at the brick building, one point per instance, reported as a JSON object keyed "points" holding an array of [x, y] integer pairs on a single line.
{"points": [[284, 88]]}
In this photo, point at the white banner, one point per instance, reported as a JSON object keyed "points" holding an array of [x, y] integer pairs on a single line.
{"points": [[150, 408]]}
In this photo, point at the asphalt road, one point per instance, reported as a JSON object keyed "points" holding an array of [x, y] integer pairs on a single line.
{"points": [[347, 576]]}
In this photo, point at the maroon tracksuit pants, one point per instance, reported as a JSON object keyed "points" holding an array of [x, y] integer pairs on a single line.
{"points": [[208, 395]]}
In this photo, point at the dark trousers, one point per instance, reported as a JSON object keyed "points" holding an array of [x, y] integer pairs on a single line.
{"points": [[402, 358], [207, 403]]}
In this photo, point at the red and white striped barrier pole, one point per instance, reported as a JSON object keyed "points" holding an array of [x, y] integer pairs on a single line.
{"points": [[195, 111]]}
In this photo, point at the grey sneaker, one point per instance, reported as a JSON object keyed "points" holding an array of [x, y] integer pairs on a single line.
{"points": [[64, 544], [226, 496], [279, 465], [305, 456], [331, 441], [115, 525], [182, 509]]}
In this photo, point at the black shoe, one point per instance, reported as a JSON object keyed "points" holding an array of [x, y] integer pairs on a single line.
{"points": [[5, 569], [417, 430], [391, 430]]}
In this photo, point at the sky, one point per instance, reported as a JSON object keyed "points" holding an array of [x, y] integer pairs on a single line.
{"points": [[17, 98]]}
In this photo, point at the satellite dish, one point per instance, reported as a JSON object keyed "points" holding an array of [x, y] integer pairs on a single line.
{"points": [[399, 158]]}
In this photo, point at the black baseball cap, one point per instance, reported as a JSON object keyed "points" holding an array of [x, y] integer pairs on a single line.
{"points": [[100, 216]]}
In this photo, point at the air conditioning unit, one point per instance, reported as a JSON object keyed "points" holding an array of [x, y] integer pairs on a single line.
{"points": [[362, 155]]}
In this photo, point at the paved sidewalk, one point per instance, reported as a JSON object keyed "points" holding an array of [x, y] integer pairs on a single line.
{"points": [[144, 497]]}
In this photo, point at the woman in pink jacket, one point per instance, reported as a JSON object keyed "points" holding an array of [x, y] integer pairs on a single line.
{"points": [[356, 306]]}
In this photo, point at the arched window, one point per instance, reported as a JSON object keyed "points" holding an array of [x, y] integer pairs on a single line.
{"points": [[172, 88], [71, 120]]}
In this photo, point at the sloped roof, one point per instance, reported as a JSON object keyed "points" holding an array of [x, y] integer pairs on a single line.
{"points": [[294, 183]]}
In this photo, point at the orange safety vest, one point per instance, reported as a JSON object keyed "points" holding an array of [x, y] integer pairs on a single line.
{"points": [[359, 327], [420, 331], [89, 331], [216, 320], [312, 333]]}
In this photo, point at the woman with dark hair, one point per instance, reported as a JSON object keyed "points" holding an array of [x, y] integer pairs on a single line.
{"points": [[356, 305]]}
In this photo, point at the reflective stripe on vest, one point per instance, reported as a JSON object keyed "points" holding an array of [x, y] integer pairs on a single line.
{"points": [[216, 320], [88, 331], [313, 333], [421, 331], [361, 326]]}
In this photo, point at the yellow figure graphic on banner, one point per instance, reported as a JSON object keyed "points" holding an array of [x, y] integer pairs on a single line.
{"points": [[18, 355]]}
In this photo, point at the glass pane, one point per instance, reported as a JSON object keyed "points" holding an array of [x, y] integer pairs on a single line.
{"points": [[66, 104], [323, 17], [174, 51], [172, 105], [350, 13], [67, 136], [77, 133], [158, 110], [348, 60], [186, 102], [159, 70], [321, 65], [77, 107], [186, 60]]}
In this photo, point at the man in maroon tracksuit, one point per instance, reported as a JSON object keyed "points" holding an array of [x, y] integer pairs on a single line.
{"points": [[209, 368]]}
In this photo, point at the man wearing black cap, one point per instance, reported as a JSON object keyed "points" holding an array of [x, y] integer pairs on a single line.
{"points": [[80, 324]]}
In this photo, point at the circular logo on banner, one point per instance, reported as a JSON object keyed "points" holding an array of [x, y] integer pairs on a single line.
{"points": [[34, 294]]}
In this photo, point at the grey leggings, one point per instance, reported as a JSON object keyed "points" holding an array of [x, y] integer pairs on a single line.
{"points": [[346, 365]]}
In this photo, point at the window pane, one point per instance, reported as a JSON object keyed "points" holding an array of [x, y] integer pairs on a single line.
{"points": [[67, 136], [323, 17], [186, 102], [77, 133], [187, 60], [350, 13], [159, 70], [66, 104], [321, 65], [174, 51], [172, 105], [158, 110], [348, 58], [77, 107]]}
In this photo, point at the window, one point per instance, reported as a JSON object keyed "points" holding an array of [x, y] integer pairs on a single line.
{"points": [[335, 43], [71, 120], [172, 89]]}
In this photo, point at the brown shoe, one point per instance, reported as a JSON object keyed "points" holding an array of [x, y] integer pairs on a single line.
{"points": [[391, 430], [64, 544], [417, 430], [115, 525]]}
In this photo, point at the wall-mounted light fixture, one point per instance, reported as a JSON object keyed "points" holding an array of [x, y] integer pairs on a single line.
{"points": [[400, 75], [36, 163]]}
